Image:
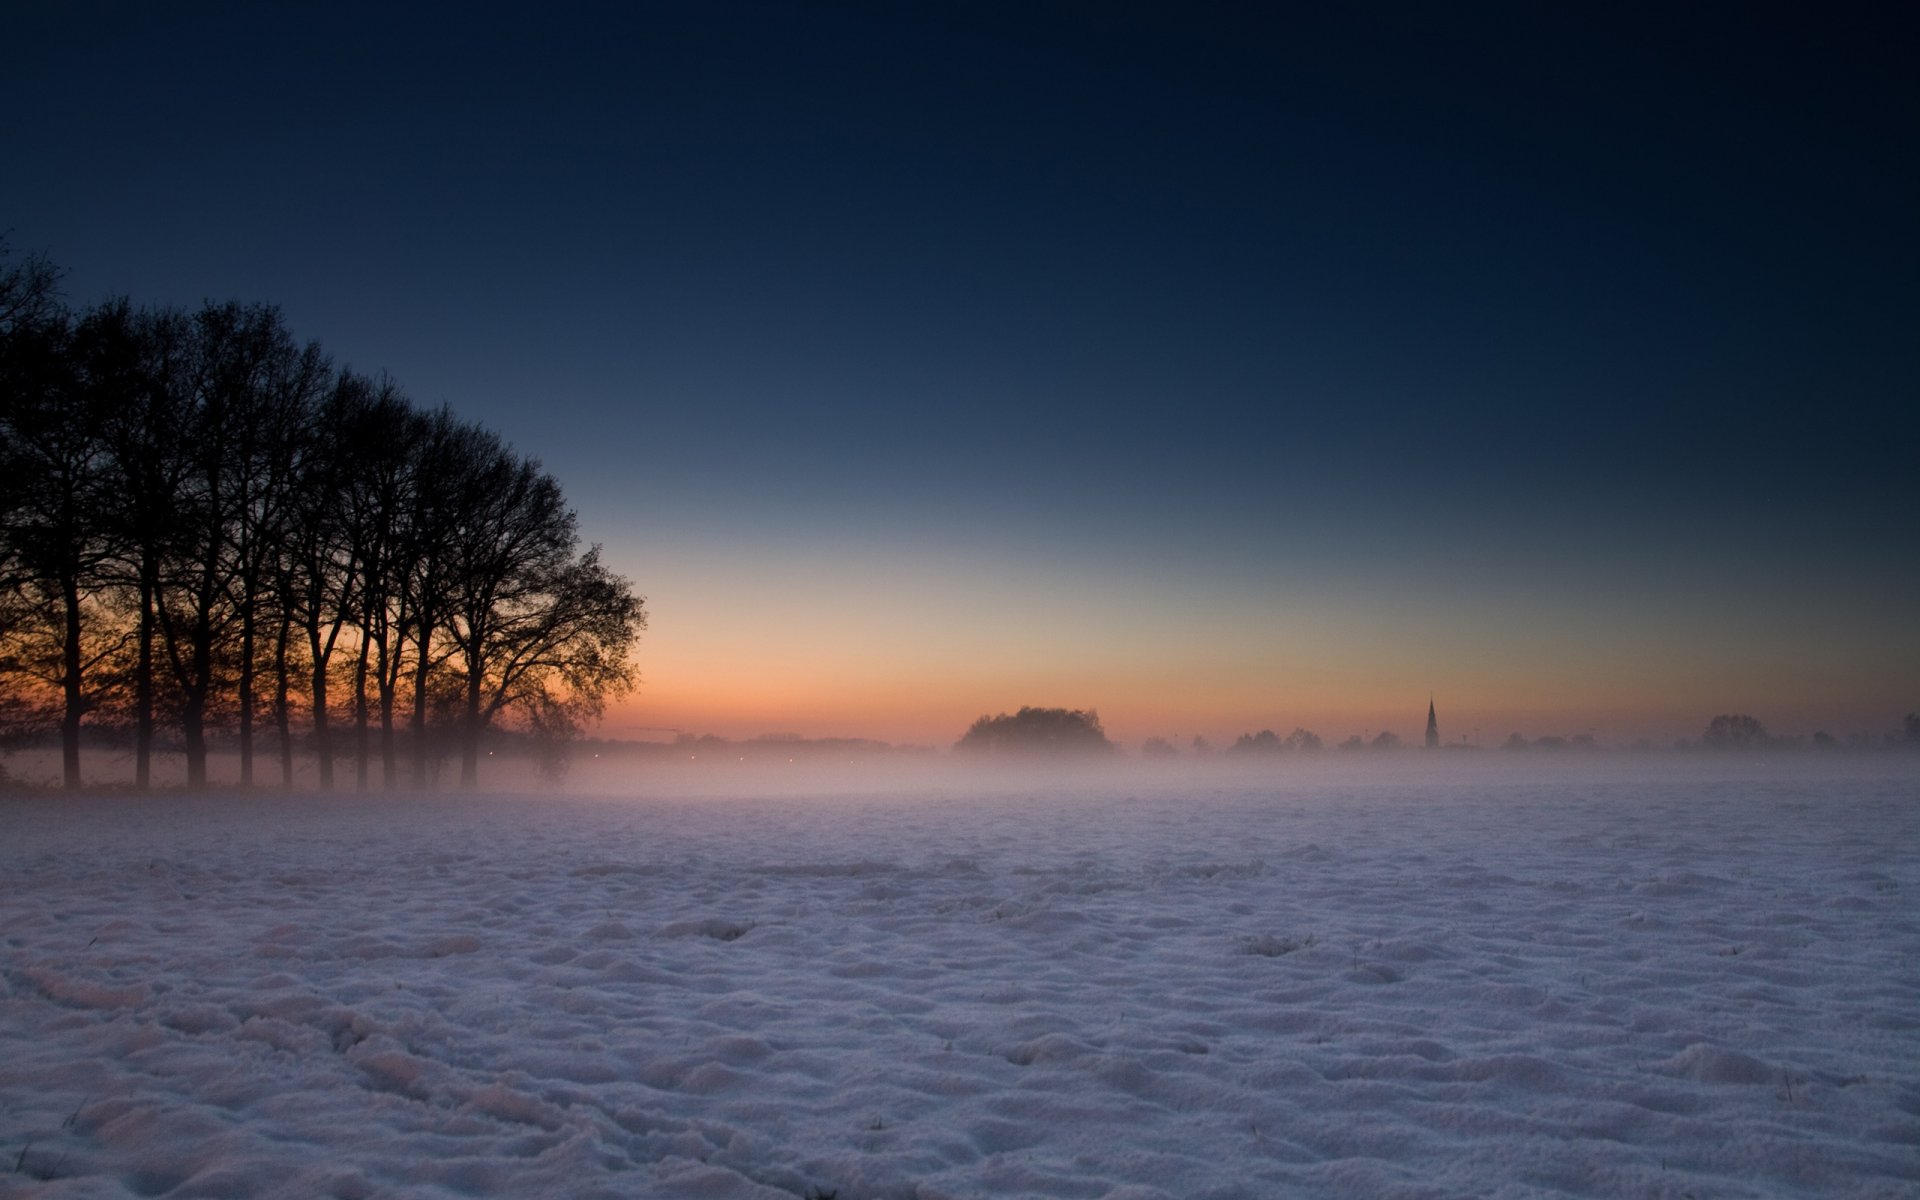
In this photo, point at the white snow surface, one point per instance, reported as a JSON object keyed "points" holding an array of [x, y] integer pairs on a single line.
{"points": [[1320, 985]]}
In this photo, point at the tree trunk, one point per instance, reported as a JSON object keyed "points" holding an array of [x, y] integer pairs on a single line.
{"points": [[470, 730], [322, 727], [143, 684], [70, 685], [193, 712], [388, 665], [246, 685], [389, 753], [360, 747], [283, 702], [194, 733], [423, 664]]}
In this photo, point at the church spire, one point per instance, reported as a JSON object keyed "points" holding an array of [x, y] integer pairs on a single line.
{"points": [[1433, 726]]}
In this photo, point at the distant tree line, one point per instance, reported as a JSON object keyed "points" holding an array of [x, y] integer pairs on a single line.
{"points": [[1727, 732], [1552, 741], [1738, 731], [1269, 742], [206, 525]]}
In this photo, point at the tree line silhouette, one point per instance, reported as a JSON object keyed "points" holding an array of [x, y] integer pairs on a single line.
{"points": [[210, 526]]}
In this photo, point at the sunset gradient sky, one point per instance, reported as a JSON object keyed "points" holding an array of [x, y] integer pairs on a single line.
{"points": [[1217, 367]]}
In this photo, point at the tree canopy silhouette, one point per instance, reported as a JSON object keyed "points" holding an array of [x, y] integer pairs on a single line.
{"points": [[1037, 731], [1264, 742], [1734, 731]]}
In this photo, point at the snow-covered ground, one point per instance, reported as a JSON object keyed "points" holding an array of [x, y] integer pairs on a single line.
{"points": [[1317, 984]]}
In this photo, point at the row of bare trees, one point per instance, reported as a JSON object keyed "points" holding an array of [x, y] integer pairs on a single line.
{"points": [[209, 526]]}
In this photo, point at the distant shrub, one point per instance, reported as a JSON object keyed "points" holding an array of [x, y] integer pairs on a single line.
{"points": [[1037, 731], [1264, 742], [1734, 731], [1266, 945]]}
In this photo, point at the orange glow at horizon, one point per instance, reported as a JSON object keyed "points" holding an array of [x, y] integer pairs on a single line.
{"points": [[912, 650]]}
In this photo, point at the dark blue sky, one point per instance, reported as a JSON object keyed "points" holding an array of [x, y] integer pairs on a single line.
{"points": [[1607, 315]]}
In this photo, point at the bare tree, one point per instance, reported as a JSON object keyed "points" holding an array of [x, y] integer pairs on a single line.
{"points": [[450, 453], [29, 290], [271, 400], [146, 362], [557, 654], [57, 541], [324, 556], [210, 594], [534, 624], [381, 438], [29, 299]]}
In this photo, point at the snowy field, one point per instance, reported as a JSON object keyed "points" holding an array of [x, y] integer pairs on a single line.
{"points": [[1312, 984]]}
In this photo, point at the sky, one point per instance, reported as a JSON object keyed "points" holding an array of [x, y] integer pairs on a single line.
{"points": [[1219, 367]]}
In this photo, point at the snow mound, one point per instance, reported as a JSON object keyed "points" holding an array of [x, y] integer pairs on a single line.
{"points": [[1703, 1063]]}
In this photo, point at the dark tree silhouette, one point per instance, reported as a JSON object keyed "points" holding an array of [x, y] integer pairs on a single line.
{"points": [[382, 440], [1269, 742], [538, 626], [322, 557], [274, 437], [57, 543], [1158, 747], [144, 361], [28, 298], [1264, 742], [450, 453], [514, 535], [247, 372], [1734, 731], [1037, 731], [1304, 739]]}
